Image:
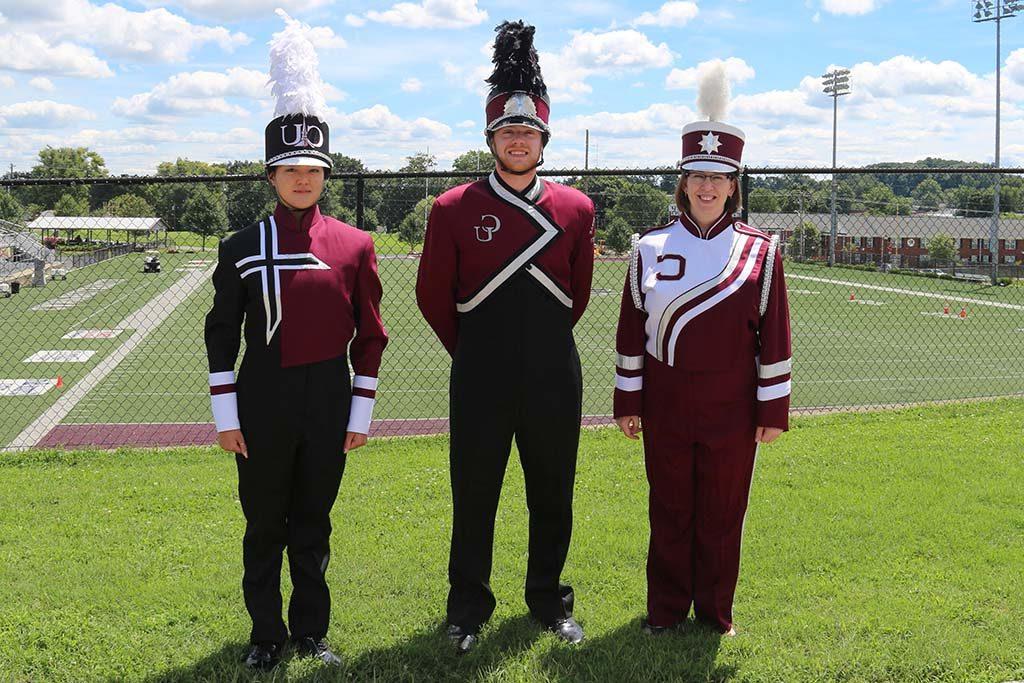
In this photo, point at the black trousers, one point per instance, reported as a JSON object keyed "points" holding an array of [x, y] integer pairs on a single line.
{"points": [[294, 422], [515, 373]]}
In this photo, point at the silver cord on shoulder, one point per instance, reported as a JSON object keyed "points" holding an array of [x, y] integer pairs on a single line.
{"points": [[769, 267], [634, 266]]}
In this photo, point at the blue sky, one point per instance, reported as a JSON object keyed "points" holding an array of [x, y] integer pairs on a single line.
{"points": [[142, 82]]}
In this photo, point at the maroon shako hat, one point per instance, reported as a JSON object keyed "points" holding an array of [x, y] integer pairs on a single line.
{"points": [[518, 95], [711, 146]]}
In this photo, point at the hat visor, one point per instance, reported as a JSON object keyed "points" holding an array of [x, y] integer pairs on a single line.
{"points": [[526, 122], [301, 161], [708, 166]]}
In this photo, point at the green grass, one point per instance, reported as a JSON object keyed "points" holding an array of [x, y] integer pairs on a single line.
{"points": [[845, 353], [878, 547]]}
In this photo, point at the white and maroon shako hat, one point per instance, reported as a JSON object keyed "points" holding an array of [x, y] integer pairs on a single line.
{"points": [[298, 135], [711, 146], [518, 94]]}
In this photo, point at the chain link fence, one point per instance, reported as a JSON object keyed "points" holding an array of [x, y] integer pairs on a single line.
{"points": [[101, 317]]}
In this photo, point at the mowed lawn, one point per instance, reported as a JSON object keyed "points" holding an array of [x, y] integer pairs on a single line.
{"points": [[878, 547]]}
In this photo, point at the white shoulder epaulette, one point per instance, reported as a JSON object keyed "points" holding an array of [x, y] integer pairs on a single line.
{"points": [[634, 267], [769, 267]]}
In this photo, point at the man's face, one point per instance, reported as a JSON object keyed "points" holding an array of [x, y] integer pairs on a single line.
{"points": [[298, 187], [518, 148]]}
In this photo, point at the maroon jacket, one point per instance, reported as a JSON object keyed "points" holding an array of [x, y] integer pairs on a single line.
{"points": [[307, 293], [481, 234]]}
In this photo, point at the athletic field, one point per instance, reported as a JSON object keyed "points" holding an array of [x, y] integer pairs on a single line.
{"points": [[860, 339]]}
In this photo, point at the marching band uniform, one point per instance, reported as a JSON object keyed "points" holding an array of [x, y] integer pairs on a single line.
{"points": [[703, 356], [503, 278], [309, 295]]}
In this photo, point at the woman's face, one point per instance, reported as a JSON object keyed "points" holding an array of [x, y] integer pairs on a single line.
{"points": [[298, 187], [707, 192]]}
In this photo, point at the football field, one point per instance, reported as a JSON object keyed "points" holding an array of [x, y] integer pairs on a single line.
{"points": [[113, 346]]}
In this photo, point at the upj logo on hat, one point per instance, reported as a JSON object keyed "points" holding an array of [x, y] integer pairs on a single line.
{"points": [[305, 135]]}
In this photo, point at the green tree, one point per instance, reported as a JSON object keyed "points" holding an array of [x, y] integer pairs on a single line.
{"points": [[477, 160], [71, 205], [640, 205], [205, 212], [170, 199], [63, 162], [249, 201], [414, 225], [763, 200], [617, 234], [805, 242], [400, 195], [928, 194], [11, 209], [127, 205], [941, 248]]}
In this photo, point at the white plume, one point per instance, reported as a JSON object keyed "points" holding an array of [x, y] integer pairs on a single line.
{"points": [[294, 71], [713, 92]]}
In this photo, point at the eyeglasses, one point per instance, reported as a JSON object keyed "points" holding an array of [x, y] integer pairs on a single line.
{"points": [[716, 179]]}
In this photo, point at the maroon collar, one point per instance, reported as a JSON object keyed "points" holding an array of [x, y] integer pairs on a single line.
{"points": [[285, 219], [724, 221]]}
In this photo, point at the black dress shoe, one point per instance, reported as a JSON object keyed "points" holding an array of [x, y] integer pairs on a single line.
{"points": [[464, 640], [311, 648], [652, 630], [567, 629], [263, 656]]}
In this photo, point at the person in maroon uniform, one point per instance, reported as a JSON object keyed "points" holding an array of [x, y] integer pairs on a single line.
{"points": [[703, 366], [505, 274], [306, 286]]}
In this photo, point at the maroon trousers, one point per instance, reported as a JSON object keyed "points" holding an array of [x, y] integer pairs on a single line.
{"points": [[699, 450]]}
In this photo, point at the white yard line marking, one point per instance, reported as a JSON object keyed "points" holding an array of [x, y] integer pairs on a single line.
{"points": [[25, 387], [92, 334], [143, 321], [60, 356], [76, 296], [911, 292]]}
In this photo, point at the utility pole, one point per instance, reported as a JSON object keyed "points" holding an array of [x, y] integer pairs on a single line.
{"points": [[836, 83]]}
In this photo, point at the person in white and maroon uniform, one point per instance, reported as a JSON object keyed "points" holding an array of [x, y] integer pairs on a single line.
{"points": [[703, 366], [306, 286], [505, 275]]}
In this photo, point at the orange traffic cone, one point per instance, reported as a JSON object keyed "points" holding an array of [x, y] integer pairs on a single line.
{"points": [[963, 311], [852, 297], [60, 382], [945, 309]]}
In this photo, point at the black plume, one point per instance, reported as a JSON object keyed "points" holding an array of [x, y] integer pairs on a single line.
{"points": [[516, 66]]}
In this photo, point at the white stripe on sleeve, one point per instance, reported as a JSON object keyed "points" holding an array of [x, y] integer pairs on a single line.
{"points": [[773, 392], [629, 383]]}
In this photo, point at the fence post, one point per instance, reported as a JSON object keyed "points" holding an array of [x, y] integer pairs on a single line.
{"points": [[359, 202], [745, 194]]}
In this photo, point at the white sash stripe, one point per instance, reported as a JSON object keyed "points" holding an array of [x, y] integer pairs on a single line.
{"points": [[550, 232], [629, 383], [685, 297], [710, 303], [360, 414], [219, 378], [364, 382], [549, 285], [775, 369], [225, 411], [629, 362], [775, 391]]}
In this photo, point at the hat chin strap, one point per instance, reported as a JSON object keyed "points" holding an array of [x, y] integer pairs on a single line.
{"points": [[506, 169]]}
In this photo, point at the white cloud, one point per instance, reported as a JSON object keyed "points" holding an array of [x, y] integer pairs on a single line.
{"points": [[736, 71], [30, 53], [902, 75], [324, 38], [779, 105], [232, 10], [1015, 66], [43, 114], [153, 35], [428, 14], [355, 20], [412, 85], [676, 13], [611, 53], [468, 123], [6, 81], [196, 93], [851, 7], [42, 83], [379, 122]]}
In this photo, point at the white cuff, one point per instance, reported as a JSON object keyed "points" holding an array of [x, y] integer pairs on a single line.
{"points": [[629, 362], [225, 411], [629, 383], [774, 391], [359, 415]]}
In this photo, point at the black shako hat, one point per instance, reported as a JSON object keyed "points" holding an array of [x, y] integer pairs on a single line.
{"points": [[298, 135], [518, 95]]}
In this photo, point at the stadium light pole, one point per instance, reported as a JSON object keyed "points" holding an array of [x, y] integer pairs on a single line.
{"points": [[835, 83], [996, 10]]}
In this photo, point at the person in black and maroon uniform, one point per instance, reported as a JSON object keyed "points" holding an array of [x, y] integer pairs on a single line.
{"points": [[703, 365], [505, 274], [306, 286]]}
